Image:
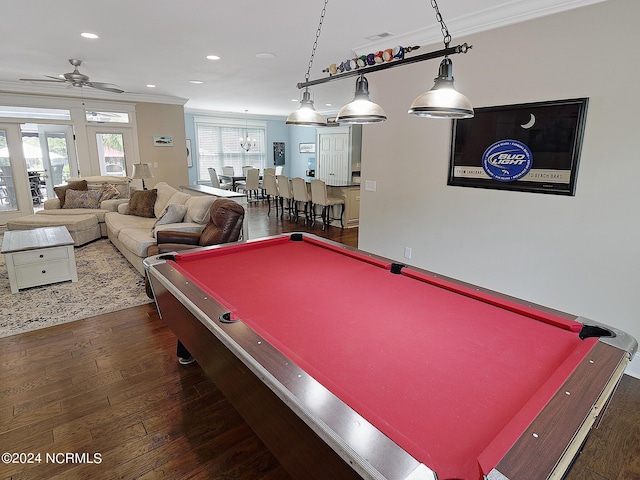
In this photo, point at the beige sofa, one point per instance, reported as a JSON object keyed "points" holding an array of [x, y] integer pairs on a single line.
{"points": [[133, 234], [52, 206], [84, 224]]}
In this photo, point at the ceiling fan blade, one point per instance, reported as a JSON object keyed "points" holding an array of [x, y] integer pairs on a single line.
{"points": [[109, 87], [55, 80]]}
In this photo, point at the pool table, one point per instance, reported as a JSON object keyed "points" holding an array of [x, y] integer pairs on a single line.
{"points": [[348, 365]]}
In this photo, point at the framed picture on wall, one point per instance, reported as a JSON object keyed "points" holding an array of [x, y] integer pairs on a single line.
{"points": [[307, 148], [532, 147]]}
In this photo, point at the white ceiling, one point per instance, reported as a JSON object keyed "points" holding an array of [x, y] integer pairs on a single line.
{"points": [[165, 42]]}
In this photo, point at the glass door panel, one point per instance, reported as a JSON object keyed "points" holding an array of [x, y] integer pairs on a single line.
{"points": [[113, 148], [15, 198], [111, 153], [8, 200], [58, 156]]}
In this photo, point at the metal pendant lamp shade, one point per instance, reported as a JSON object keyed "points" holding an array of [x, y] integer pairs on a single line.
{"points": [[443, 100], [361, 110], [306, 115]]}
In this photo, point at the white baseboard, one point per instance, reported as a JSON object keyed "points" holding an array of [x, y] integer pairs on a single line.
{"points": [[633, 367]]}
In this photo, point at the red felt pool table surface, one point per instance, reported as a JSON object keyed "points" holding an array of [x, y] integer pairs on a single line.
{"points": [[449, 373]]}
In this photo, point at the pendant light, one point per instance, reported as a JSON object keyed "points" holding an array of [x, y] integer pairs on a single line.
{"points": [[247, 143], [306, 115], [361, 110], [443, 100]]}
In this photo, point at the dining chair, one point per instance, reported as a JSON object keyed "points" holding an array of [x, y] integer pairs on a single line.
{"points": [[300, 195], [286, 193], [215, 181], [319, 197], [252, 184]]}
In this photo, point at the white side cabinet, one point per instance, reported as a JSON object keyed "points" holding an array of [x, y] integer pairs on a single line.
{"points": [[39, 257]]}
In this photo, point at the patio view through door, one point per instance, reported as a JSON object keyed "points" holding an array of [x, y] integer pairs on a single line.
{"points": [[112, 147], [15, 198], [55, 161]]}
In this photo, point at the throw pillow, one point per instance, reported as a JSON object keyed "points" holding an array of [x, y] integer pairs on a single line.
{"points": [[108, 191], [198, 208], [172, 213], [141, 203], [62, 190], [82, 199]]}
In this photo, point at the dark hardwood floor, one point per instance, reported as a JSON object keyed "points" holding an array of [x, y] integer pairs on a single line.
{"points": [[109, 388]]}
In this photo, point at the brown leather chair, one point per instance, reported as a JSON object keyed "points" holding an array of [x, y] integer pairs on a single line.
{"points": [[224, 226]]}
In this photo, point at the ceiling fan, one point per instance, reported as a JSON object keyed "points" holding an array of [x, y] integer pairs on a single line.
{"points": [[77, 79]]}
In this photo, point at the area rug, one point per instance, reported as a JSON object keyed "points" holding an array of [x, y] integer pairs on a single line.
{"points": [[106, 283]]}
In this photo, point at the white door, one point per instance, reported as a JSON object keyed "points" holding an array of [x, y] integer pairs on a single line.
{"points": [[15, 193], [334, 161], [58, 155]]}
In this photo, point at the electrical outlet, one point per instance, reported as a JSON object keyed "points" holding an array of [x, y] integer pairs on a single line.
{"points": [[407, 252], [370, 185]]}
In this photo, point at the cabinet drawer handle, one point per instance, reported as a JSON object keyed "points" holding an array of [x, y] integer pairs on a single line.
{"points": [[44, 271], [41, 255]]}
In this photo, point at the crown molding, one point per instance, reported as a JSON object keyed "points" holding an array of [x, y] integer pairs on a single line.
{"points": [[502, 15], [87, 93]]}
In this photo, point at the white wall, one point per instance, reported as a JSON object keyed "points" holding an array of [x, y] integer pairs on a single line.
{"points": [[577, 254]]}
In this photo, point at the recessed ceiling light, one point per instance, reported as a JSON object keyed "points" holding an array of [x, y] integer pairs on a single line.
{"points": [[150, 85], [328, 104], [89, 35], [196, 82], [265, 55], [213, 57]]}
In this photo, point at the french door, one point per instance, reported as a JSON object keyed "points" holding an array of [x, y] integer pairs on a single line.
{"points": [[15, 193], [59, 160]]}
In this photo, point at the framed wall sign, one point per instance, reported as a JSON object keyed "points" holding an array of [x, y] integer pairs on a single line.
{"points": [[532, 147], [307, 148], [162, 141]]}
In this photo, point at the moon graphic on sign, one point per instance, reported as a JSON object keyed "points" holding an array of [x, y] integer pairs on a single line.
{"points": [[530, 123]]}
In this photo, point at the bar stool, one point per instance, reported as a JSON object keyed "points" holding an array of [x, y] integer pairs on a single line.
{"points": [[285, 191], [319, 197], [300, 194], [271, 189]]}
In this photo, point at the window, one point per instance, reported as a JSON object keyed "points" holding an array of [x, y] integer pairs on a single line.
{"points": [[29, 112], [218, 142], [106, 117]]}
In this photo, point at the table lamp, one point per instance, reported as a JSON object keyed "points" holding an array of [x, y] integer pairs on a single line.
{"points": [[141, 171]]}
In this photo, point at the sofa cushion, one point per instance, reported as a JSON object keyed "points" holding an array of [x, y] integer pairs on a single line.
{"points": [[82, 199], [61, 191], [96, 182], [166, 195], [198, 208], [172, 214], [141, 203], [98, 212], [117, 222], [136, 240]]}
